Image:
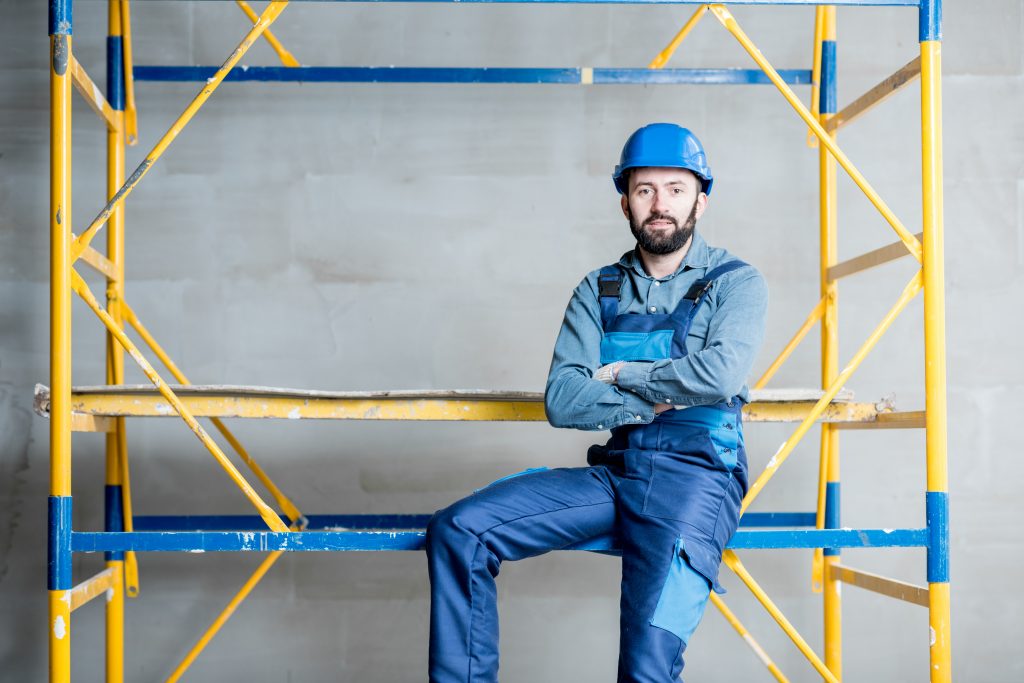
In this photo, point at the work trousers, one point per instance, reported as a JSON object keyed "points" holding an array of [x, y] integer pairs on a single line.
{"points": [[670, 515]]}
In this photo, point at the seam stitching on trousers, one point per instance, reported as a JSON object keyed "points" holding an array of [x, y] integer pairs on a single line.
{"points": [[472, 615], [546, 512]]}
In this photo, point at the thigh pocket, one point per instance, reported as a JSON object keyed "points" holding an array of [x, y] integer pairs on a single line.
{"points": [[685, 491], [683, 597], [711, 436]]}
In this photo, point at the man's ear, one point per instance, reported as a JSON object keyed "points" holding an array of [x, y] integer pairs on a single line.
{"points": [[625, 205], [702, 204]]}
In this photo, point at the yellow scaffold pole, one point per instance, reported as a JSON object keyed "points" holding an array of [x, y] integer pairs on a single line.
{"points": [[819, 25], [267, 18], [131, 567], [827, 508], [115, 484], [131, 119], [937, 493], [59, 583]]}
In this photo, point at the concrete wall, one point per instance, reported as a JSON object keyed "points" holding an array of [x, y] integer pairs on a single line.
{"points": [[376, 237]]}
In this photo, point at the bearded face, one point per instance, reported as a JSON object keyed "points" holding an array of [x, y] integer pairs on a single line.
{"points": [[660, 233], [662, 207]]}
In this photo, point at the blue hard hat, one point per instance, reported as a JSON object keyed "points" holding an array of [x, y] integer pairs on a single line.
{"points": [[665, 145]]}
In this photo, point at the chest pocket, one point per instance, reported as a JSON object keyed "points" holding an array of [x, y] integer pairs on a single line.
{"points": [[656, 336], [636, 346]]}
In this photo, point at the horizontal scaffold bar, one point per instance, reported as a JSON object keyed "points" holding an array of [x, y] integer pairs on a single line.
{"points": [[767, 405], [93, 95], [906, 75], [92, 587], [871, 259], [341, 541], [366, 521], [911, 419], [901, 590], [100, 263], [842, 3], [406, 74]]}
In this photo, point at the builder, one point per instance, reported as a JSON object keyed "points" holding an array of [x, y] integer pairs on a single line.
{"points": [[655, 348]]}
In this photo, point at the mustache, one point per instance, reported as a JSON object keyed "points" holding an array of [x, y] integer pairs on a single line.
{"points": [[661, 217]]}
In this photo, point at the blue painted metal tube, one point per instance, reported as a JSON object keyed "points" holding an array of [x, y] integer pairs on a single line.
{"points": [[266, 541], [698, 76], [113, 515], [937, 514], [383, 74], [59, 545], [255, 523], [115, 73], [930, 20], [60, 17], [831, 511], [841, 3], [827, 101], [830, 538], [776, 519], [357, 74]]}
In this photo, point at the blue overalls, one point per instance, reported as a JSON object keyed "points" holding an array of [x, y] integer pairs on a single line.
{"points": [[669, 492]]}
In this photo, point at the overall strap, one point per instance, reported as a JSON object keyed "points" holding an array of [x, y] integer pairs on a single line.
{"points": [[697, 293], [702, 286], [609, 285]]}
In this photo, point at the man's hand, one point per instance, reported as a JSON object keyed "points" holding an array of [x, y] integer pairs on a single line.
{"points": [[608, 373]]}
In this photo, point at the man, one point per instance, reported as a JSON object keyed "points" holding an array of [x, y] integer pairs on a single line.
{"points": [[655, 348]]}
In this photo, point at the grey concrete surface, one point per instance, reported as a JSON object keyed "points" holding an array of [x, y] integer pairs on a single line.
{"points": [[373, 237]]}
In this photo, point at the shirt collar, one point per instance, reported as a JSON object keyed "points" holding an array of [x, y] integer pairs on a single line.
{"points": [[697, 256]]}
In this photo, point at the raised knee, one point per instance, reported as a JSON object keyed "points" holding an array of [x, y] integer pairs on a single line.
{"points": [[439, 525], [448, 525]]}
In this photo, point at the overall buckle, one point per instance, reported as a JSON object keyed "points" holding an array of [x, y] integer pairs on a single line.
{"points": [[609, 286]]}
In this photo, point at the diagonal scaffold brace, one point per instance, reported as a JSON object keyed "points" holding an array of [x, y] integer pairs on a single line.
{"points": [[272, 520], [727, 20], [298, 520], [265, 20]]}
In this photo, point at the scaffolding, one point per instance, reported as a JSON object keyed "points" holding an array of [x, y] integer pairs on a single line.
{"points": [[104, 409]]}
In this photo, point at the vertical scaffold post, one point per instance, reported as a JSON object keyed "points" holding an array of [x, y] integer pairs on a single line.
{"points": [[59, 582], [829, 460], [114, 508], [937, 493]]}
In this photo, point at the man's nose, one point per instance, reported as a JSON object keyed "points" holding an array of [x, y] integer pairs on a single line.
{"points": [[660, 202]]}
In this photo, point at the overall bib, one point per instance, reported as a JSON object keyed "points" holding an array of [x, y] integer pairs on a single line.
{"points": [[668, 491]]}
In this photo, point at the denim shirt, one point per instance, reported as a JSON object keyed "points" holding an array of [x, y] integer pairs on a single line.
{"points": [[723, 341]]}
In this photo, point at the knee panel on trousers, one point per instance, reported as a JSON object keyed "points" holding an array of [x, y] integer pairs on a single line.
{"points": [[683, 597]]}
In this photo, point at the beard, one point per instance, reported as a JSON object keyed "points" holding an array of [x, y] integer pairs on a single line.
{"points": [[663, 244]]}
